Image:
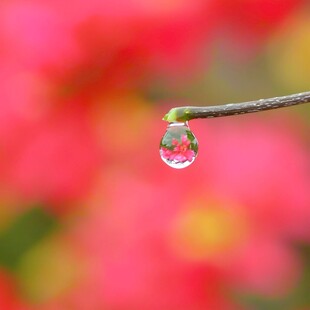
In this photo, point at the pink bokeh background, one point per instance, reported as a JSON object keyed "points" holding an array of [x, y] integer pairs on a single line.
{"points": [[84, 85]]}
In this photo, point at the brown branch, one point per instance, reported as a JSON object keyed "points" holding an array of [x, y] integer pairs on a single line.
{"points": [[182, 114]]}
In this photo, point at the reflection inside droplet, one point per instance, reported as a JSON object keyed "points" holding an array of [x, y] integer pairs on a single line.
{"points": [[179, 146]]}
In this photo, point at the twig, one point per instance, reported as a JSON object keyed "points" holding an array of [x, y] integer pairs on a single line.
{"points": [[188, 113]]}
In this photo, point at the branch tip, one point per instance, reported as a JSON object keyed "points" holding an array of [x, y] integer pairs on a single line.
{"points": [[182, 114]]}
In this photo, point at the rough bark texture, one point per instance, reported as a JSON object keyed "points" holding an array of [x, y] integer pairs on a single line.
{"points": [[189, 113]]}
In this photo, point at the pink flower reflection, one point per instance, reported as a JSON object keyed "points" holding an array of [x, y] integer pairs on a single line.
{"points": [[181, 151]]}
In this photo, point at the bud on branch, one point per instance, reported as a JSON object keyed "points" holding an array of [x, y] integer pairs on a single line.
{"points": [[182, 114]]}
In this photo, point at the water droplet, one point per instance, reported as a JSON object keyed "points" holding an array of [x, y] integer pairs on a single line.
{"points": [[179, 146]]}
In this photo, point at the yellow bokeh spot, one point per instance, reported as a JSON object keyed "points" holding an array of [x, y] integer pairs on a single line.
{"points": [[121, 119], [209, 232], [289, 55], [48, 271]]}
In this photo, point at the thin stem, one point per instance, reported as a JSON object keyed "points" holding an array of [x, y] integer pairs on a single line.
{"points": [[189, 113]]}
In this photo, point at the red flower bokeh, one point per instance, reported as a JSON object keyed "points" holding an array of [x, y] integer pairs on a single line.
{"points": [[79, 137]]}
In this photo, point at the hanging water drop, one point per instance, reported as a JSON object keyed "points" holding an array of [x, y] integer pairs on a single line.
{"points": [[179, 146]]}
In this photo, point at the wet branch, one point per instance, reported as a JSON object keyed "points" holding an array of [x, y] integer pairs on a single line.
{"points": [[188, 113]]}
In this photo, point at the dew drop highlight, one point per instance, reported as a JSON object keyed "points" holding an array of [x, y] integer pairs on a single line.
{"points": [[179, 146]]}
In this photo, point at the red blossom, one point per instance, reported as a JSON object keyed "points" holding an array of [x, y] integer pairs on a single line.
{"points": [[51, 152], [181, 151]]}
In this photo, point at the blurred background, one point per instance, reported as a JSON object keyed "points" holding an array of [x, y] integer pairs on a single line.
{"points": [[90, 217]]}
